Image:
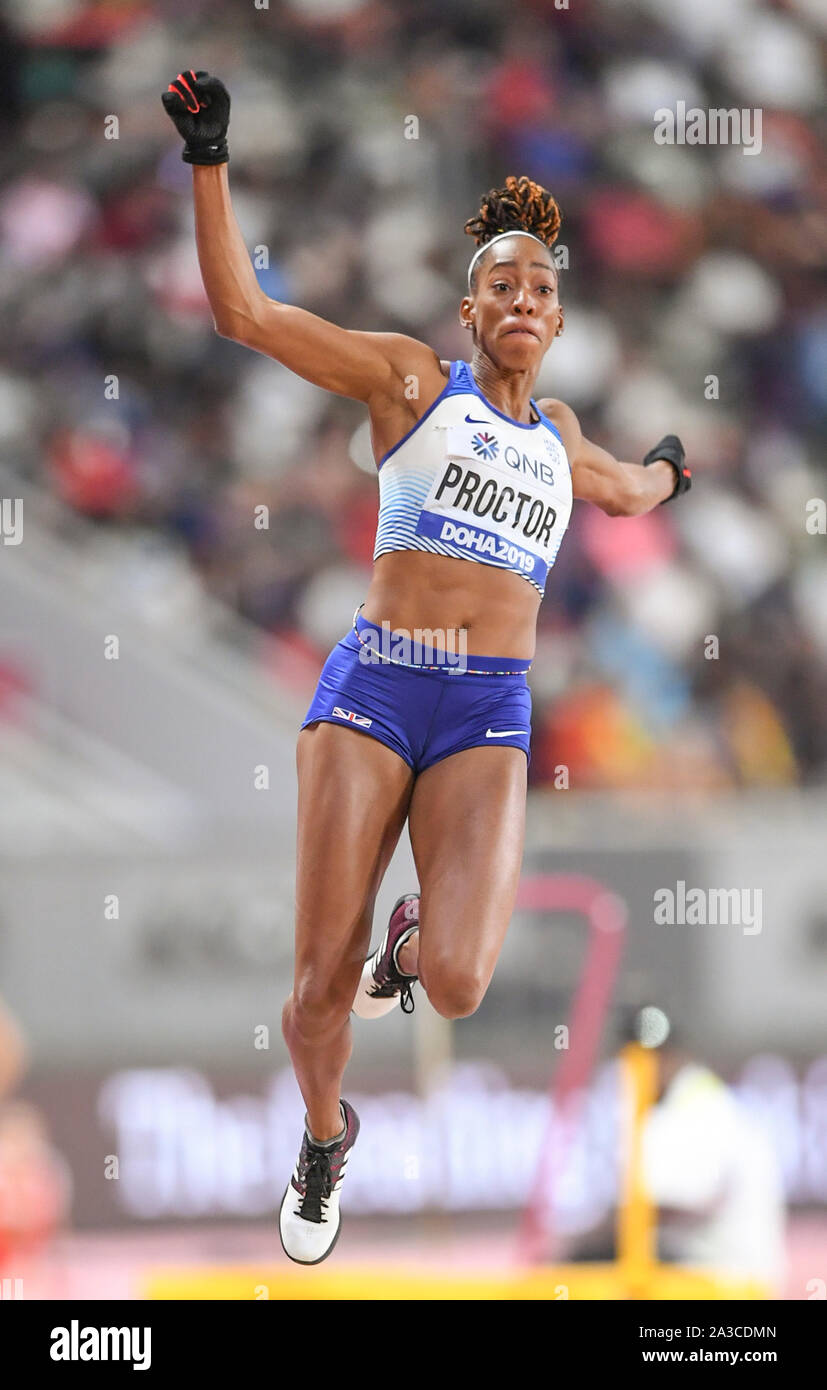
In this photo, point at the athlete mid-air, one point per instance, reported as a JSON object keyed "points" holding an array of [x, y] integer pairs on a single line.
{"points": [[476, 481]]}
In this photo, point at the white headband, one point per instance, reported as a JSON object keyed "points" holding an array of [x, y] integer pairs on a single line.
{"points": [[499, 237]]}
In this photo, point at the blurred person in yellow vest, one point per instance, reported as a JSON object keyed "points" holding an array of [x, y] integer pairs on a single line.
{"points": [[713, 1174], [710, 1168]]}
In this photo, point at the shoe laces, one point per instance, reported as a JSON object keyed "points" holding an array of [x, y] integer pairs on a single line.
{"points": [[396, 984], [316, 1181], [390, 980]]}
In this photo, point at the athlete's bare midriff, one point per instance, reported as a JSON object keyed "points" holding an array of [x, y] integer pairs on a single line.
{"points": [[496, 609]]}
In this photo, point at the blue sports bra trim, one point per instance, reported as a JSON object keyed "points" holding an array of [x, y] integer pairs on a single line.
{"points": [[461, 383]]}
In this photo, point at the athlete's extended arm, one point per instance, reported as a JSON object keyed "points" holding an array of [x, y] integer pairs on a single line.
{"points": [[364, 366], [360, 365], [620, 489]]}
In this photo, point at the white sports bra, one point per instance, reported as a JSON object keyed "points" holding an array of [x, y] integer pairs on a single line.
{"points": [[470, 482]]}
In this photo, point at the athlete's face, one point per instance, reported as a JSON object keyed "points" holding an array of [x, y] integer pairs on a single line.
{"points": [[514, 308]]}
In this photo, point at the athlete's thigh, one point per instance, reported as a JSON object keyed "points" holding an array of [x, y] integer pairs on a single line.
{"points": [[467, 828], [353, 798]]}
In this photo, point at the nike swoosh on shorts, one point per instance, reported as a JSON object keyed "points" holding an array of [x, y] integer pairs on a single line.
{"points": [[504, 733]]}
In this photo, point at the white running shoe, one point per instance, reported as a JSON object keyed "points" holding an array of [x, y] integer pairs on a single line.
{"points": [[309, 1219], [383, 985]]}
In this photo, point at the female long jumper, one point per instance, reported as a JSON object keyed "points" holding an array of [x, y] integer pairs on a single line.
{"points": [[422, 712]]}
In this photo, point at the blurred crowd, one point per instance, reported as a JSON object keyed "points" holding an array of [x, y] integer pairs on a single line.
{"points": [[686, 648]]}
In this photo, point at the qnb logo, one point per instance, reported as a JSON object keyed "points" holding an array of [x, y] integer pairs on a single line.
{"points": [[76, 1343], [538, 468], [485, 445]]}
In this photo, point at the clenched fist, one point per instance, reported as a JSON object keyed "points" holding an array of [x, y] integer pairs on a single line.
{"points": [[672, 451], [199, 106]]}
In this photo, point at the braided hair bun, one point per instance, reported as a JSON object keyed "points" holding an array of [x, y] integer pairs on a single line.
{"points": [[521, 206]]}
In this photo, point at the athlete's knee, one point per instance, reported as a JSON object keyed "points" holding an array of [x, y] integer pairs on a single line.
{"points": [[453, 992], [315, 1009]]}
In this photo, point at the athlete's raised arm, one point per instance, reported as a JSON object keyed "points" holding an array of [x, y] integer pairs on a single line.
{"points": [[620, 489], [364, 366]]}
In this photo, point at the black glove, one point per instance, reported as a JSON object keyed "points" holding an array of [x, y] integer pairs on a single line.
{"points": [[671, 449], [199, 106]]}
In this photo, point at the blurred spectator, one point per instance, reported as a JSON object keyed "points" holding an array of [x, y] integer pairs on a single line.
{"points": [[35, 1186], [712, 1174], [35, 1182]]}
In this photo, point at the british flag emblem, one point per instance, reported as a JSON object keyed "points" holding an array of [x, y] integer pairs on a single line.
{"points": [[485, 444], [360, 719]]}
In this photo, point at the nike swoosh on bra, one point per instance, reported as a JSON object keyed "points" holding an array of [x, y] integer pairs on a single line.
{"points": [[504, 733], [477, 422]]}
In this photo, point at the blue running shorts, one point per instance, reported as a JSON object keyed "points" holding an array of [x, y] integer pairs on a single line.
{"points": [[422, 708]]}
